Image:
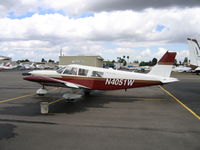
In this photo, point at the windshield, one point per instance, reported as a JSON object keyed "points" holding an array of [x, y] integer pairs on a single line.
{"points": [[60, 70]]}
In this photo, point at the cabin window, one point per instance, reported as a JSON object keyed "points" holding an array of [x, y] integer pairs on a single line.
{"points": [[82, 72], [97, 74], [72, 71]]}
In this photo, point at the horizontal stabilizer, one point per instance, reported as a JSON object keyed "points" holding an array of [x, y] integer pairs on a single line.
{"points": [[168, 80]]}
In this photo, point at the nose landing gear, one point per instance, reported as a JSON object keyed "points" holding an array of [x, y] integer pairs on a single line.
{"points": [[42, 91]]}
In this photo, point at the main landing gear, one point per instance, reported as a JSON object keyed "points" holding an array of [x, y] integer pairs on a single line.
{"points": [[87, 92], [72, 95]]}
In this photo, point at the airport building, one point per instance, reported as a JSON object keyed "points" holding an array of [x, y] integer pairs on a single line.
{"points": [[96, 61]]}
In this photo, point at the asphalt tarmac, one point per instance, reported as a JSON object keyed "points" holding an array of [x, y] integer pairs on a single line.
{"points": [[142, 118], [187, 90]]}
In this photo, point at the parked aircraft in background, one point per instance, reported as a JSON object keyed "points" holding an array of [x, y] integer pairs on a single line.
{"points": [[194, 54], [32, 66], [22, 66], [86, 78], [181, 69], [143, 69], [5, 58], [7, 66]]}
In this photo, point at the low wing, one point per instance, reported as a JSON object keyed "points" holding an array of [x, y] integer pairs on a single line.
{"points": [[48, 81]]}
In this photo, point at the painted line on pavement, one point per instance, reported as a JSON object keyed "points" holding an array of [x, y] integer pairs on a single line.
{"points": [[15, 98], [19, 97], [55, 101], [183, 105]]}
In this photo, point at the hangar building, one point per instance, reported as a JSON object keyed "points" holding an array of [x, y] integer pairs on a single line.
{"points": [[96, 61]]}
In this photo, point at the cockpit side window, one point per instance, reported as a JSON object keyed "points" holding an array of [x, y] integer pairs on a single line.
{"points": [[72, 71], [97, 74], [82, 72]]}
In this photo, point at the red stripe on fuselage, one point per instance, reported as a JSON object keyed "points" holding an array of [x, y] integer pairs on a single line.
{"points": [[93, 83], [103, 84]]}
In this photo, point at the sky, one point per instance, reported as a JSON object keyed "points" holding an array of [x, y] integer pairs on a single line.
{"points": [[140, 29]]}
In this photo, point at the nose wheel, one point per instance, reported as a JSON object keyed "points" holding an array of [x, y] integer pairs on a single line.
{"points": [[42, 91]]}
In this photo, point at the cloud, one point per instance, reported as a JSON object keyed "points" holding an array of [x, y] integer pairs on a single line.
{"points": [[139, 5], [77, 7], [121, 26], [119, 23], [119, 51], [146, 53], [182, 54], [18, 7], [161, 52]]}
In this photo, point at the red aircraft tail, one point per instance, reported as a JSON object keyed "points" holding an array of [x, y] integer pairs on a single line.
{"points": [[167, 59]]}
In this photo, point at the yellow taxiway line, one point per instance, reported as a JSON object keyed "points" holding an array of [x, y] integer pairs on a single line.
{"points": [[55, 101], [15, 98], [11, 99], [183, 105]]}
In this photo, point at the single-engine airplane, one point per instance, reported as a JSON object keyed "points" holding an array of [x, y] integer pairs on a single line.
{"points": [[87, 78]]}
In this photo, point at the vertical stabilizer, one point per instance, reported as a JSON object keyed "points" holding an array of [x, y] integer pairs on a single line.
{"points": [[194, 53], [164, 66]]}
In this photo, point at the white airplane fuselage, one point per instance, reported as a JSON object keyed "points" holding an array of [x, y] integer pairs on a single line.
{"points": [[94, 78], [107, 79]]}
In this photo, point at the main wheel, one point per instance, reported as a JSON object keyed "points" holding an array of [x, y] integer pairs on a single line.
{"points": [[40, 94], [87, 93]]}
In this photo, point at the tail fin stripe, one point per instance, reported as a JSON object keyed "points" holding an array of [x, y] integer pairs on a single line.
{"points": [[167, 59]]}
